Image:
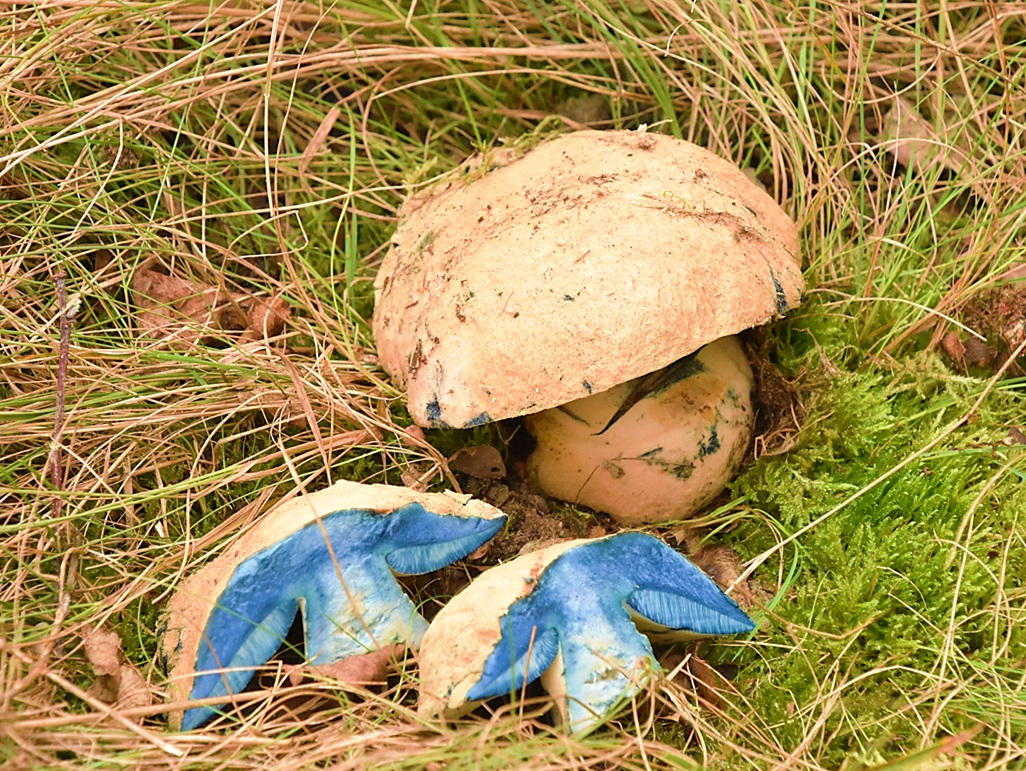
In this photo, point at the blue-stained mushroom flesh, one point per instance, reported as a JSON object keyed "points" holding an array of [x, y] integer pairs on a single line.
{"points": [[581, 607], [347, 594]]}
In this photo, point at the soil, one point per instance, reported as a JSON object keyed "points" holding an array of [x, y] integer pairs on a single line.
{"points": [[1000, 316], [778, 409], [531, 525]]}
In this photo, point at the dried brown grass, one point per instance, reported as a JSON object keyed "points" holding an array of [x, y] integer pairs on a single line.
{"points": [[264, 151]]}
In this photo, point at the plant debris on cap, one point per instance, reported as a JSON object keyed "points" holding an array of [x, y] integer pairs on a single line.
{"points": [[569, 614], [329, 556], [593, 259]]}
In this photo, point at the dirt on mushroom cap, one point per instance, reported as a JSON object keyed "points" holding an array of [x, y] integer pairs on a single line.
{"points": [[595, 258]]}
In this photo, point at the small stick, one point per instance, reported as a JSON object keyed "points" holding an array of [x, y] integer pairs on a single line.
{"points": [[56, 456], [69, 563]]}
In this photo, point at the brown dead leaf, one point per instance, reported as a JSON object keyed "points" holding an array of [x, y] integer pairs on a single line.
{"points": [[413, 436], [999, 315], [1016, 273], [418, 476], [181, 312], [914, 142], [133, 690], [103, 651], [481, 462], [954, 347], [174, 310], [367, 669], [721, 564], [265, 318], [979, 354], [695, 673], [707, 683], [117, 682]]}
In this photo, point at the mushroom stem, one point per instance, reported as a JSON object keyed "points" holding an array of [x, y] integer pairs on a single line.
{"points": [[656, 448]]}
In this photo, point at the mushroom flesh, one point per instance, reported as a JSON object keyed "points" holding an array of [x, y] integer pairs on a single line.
{"points": [[329, 556], [575, 615]]}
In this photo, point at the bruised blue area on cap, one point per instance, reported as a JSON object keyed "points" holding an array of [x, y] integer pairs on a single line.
{"points": [[348, 595], [478, 420], [434, 414], [581, 608], [433, 411], [779, 294]]}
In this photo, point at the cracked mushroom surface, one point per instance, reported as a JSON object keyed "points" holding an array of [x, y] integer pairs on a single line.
{"points": [[524, 283]]}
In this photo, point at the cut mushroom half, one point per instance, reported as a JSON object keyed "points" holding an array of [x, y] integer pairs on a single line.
{"points": [[571, 615], [330, 556], [594, 260]]}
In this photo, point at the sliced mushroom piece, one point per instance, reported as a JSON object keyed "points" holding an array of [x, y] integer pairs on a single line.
{"points": [[329, 556], [573, 615]]}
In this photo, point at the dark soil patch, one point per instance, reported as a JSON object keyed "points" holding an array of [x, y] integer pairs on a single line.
{"points": [[1000, 316], [778, 409]]}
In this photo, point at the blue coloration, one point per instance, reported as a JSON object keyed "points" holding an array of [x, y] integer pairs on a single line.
{"points": [[350, 604], [479, 420], [780, 295], [710, 446], [581, 607], [434, 414]]}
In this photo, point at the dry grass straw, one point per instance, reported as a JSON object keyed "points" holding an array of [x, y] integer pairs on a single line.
{"points": [[263, 151]]}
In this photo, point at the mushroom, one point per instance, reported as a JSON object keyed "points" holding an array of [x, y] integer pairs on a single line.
{"points": [[573, 615], [329, 556], [584, 268]]}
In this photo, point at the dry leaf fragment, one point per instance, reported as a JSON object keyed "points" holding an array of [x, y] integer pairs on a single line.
{"points": [[117, 682], [413, 436], [265, 318], [368, 669], [707, 683], [178, 311], [418, 476], [721, 564], [103, 651], [133, 690], [695, 673], [482, 462], [914, 142], [954, 347], [175, 310], [979, 354]]}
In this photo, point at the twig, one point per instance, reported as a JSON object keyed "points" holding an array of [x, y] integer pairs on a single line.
{"points": [[69, 562], [56, 456]]}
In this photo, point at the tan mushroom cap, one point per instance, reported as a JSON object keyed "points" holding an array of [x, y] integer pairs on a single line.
{"points": [[597, 257], [187, 612]]}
